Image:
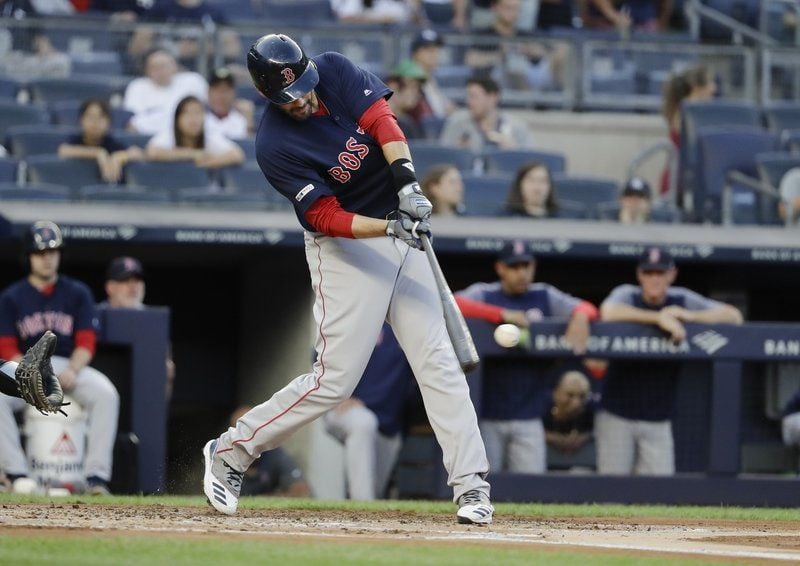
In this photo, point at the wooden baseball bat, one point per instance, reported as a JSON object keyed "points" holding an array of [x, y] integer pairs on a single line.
{"points": [[454, 321]]}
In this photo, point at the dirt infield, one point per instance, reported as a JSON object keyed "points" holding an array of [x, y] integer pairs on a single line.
{"points": [[715, 541]]}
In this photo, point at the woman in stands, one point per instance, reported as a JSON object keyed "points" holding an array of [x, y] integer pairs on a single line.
{"points": [[95, 142], [189, 141], [532, 193], [693, 85], [443, 186]]}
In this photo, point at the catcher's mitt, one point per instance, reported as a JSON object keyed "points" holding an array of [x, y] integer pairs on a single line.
{"points": [[36, 381]]}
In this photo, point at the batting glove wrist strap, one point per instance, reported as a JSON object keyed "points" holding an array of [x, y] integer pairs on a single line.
{"points": [[403, 173]]}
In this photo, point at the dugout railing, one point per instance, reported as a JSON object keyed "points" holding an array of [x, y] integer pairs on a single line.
{"points": [[726, 356]]}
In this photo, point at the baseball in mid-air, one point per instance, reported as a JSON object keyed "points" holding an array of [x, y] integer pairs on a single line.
{"points": [[507, 335]]}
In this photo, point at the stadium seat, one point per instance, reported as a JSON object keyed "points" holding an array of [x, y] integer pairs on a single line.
{"points": [[438, 13], [38, 192], [571, 210], [165, 175], [49, 91], [74, 173], [696, 115], [8, 170], [131, 138], [65, 113], [97, 63], [298, 11], [8, 89], [239, 11], [245, 199], [432, 127], [660, 213], [785, 116], [122, 193], [509, 161], [25, 141], [589, 191], [791, 140], [484, 195], [426, 154], [720, 151], [13, 114], [773, 166], [249, 178], [453, 76]]}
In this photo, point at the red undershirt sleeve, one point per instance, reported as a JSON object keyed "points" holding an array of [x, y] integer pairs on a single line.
{"points": [[326, 215], [9, 347], [380, 122], [476, 309], [86, 339], [588, 309]]}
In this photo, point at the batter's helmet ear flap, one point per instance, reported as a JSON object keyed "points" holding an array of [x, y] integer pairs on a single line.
{"points": [[280, 69]]}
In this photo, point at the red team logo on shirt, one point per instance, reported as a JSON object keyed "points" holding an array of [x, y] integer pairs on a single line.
{"points": [[288, 75], [350, 159]]}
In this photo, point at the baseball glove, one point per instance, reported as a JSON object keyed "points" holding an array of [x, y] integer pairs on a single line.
{"points": [[36, 381]]}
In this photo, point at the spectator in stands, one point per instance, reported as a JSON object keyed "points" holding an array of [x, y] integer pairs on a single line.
{"points": [[122, 11], [426, 51], [693, 85], [222, 114], [532, 193], [643, 15], [152, 98], [375, 11], [458, 8], [125, 289], [514, 391], [524, 63], [635, 202], [443, 186], [47, 300], [569, 421], [95, 142], [483, 125], [789, 190], [34, 57], [188, 140], [632, 428], [405, 81], [274, 472], [176, 11], [369, 423]]}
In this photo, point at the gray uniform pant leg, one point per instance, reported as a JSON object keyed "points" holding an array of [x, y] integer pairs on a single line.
{"points": [[790, 429], [616, 444], [352, 282], [12, 457], [369, 455], [417, 319], [95, 393], [656, 448], [515, 445]]}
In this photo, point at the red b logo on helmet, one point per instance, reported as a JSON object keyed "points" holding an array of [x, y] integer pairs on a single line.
{"points": [[288, 75]]}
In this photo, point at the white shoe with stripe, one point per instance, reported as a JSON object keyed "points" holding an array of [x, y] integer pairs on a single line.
{"points": [[474, 508], [221, 483]]}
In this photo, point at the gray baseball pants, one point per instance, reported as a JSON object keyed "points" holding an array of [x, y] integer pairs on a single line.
{"points": [[515, 445], [357, 285], [98, 397], [625, 446]]}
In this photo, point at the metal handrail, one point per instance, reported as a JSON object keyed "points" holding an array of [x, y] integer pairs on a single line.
{"points": [[743, 180], [672, 166], [696, 10]]}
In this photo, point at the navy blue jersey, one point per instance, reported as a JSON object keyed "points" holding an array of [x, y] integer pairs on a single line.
{"points": [[387, 383], [515, 388], [26, 312], [645, 390], [331, 154]]}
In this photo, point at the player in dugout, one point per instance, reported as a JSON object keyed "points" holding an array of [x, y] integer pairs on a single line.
{"points": [[330, 144], [633, 429]]}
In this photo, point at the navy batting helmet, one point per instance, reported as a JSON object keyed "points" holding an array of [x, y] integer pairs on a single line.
{"points": [[43, 235], [280, 69]]}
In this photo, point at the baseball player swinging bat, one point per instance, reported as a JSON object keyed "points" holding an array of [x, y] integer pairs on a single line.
{"points": [[454, 321]]}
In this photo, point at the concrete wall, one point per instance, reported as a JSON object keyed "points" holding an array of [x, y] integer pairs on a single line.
{"points": [[595, 143]]}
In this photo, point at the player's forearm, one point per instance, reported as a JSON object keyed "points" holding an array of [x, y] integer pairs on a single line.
{"points": [[366, 227], [79, 359], [395, 150], [726, 314], [627, 313]]}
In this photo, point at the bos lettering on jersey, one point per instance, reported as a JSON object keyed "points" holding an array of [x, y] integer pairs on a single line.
{"points": [[350, 159], [329, 152], [35, 324]]}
